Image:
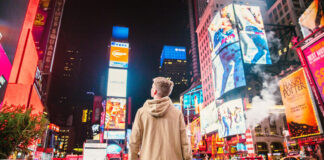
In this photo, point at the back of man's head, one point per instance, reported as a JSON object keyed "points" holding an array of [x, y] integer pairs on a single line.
{"points": [[163, 86]]}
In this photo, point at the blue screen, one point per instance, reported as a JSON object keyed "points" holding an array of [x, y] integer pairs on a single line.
{"points": [[173, 52], [120, 33]]}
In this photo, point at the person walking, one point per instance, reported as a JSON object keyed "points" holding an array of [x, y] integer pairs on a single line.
{"points": [[159, 130]]}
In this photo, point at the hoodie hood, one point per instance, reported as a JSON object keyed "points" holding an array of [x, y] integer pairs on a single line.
{"points": [[158, 108]]}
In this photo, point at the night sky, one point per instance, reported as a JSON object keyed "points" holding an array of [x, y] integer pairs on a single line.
{"points": [[87, 26]]}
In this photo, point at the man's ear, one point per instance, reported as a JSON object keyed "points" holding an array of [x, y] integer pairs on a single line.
{"points": [[155, 92]]}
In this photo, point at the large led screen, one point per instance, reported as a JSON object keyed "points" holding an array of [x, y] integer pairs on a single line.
{"points": [[227, 64], [128, 134], [230, 118], [114, 135], [193, 99], [115, 113], [312, 18], [119, 54], [208, 119], [117, 81], [300, 110], [252, 34], [120, 33]]}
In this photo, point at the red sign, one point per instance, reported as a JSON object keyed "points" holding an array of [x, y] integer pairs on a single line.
{"points": [[96, 108]]}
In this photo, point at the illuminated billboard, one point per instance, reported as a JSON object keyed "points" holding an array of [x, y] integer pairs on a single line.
{"points": [[173, 52], [300, 110], [117, 81], [84, 115], [128, 134], [115, 113], [312, 18], [97, 101], [208, 119], [193, 99], [113, 149], [230, 118], [196, 133], [120, 33], [227, 64], [114, 135], [252, 34], [119, 54]]}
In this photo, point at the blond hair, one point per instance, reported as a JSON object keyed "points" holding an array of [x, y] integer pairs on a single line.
{"points": [[163, 86]]}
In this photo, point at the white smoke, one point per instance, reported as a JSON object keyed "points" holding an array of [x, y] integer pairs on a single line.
{"points": [[261, 105], [274, 45]]}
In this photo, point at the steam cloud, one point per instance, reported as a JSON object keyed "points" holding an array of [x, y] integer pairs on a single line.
{"points": [[261, 105], [274, 45]]}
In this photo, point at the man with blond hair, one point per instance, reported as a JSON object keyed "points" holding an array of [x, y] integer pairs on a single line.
{"points": [[159, 131]]}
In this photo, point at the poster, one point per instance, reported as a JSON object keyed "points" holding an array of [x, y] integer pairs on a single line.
{"points": [[252, 35], [119, 54], [300, 114], [115, 113], [230, 118], [312, 18], [227, 64], [193, 99], [208, 119]]}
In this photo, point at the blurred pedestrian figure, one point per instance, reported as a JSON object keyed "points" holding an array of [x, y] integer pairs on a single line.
{"points": [[159, 131]]}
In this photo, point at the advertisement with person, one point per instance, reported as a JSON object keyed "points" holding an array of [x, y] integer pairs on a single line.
{"points": [[227, 64], [300, 111], [230, 118], [252, 34], [119, 54], [312, 18], [115, 113], [195, 133], [193, 99], [117, 82], [208, 119], [314, 55]]}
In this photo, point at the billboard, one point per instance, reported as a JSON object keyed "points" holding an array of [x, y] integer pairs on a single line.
{"points": [[117, 81], [119, 54], [173, 52], [193, 99], [115, 113], [312, 18], [96, 109], [128, 134], [195, 133], [300, 110], [314, 55], [230, 118], [114, 135], [252, 34], [95, 129], [208, 119], [84, 115], [113, 149], [227, 64], [120, 33]]}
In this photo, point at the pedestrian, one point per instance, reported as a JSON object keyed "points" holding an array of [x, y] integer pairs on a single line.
{"points": [[159, 130]]}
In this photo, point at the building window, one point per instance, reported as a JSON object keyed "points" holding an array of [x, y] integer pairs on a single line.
{"points": [[280, 13], [258, 131], [279, 6], [286, 8], [284, 1], [288, 16]]}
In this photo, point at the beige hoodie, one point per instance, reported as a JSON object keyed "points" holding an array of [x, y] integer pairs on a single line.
{"points": [[159, 133]]}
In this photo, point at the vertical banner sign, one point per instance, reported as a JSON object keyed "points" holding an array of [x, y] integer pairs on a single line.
{"points": [[249, 142], [96, 108], [301, 113], [53, 35], [313, 60]]}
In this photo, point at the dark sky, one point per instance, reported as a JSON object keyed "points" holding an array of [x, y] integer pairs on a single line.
{"points": [[87, 26]]}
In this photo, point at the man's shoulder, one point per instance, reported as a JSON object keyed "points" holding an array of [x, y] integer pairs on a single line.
{"points": [[175, 110]]}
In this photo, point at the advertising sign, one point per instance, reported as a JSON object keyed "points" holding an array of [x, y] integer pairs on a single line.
{"points": [[193, 99], [195, 133], [208, 119], [114, 149], [252, 34], [96, 108], [119, 54], [230, 118], [117, 81], [128, 134], [95, 129], [173, 52], [84, 115], [300, 111], [114, 135], [227, 64], [120, 33], [312, 18], [314, 55], [115, 113]]}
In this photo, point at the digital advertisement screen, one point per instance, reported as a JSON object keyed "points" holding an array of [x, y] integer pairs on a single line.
{"points": [[300, 111], [113, 149], [97, 102], [195, 132], [117, 82], [312, 18], [194, 99], [227, 64], [252, 34], [114, 135], [120, 33], [173, 52], [115, 113], [95, 129], [119, 54], [314, 55], [128, 134], [230, 118], [208, 119]]}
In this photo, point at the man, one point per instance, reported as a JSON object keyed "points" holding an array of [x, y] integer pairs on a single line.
{"points": [[159, 131]]}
